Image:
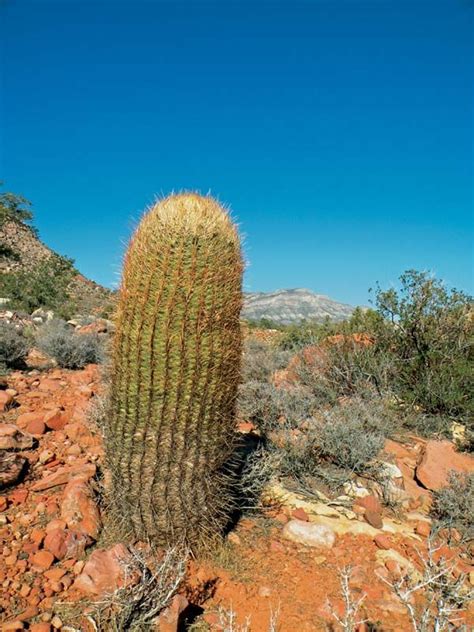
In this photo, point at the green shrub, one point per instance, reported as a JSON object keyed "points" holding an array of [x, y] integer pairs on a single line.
{"points": [[428, 332], [14, 347], [70, 349], [46, 286]]}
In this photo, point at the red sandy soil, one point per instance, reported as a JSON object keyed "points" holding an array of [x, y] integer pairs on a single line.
{"points": [[49, 523]]}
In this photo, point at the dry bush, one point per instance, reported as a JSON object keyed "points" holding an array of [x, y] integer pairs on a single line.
{"points": [[260, 360], [453, 506], [70, 349], [265, 404], [14, 347], [434, 600], [136, 608]]}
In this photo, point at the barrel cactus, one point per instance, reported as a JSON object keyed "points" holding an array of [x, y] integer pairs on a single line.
{"points": [[176, 366]]}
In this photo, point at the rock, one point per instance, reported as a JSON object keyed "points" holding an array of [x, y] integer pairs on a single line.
{"points": [[439, 459], [374, 518], [79, 510], [43, 559], [55, 543], [355, 490], [300, 514], [12, 466], [24, 419], [12, 438], [108, 570], [37, 359], [36, 427], [423, 528], [55, 419], [6, 399], [309, 534], [168, 620], [84, 471], [369, 503], [390, 470], [383, 542], [40, 627]]}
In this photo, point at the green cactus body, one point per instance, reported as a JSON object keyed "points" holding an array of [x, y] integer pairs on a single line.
{"points": [[176, 367]]}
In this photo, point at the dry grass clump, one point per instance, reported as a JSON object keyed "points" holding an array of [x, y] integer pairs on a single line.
{"points": [[453, 506], [14, 347]]}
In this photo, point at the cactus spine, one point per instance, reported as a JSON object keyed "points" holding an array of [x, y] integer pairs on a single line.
{"points": [[176, 366]]}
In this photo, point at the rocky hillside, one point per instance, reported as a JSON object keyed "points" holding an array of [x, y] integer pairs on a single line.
{"points": [[291, 306], [21, 249]]}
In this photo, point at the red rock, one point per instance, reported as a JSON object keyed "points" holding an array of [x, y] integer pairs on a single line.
{"points": [[423, 528], [370, 503], [56, 419], [5, 400], [168, 619], [29, 613], [383, 541], [43, 560], [40, 627], [79, 510], [37, 536], [9, 626], [57, 523], [300, 514], [439, 459], [12, 438], [55, 543], [84, 471], [3, 503], [36, 427], [49, 385], [374, 518], [24, 419], [107, 570], [18, 496]]}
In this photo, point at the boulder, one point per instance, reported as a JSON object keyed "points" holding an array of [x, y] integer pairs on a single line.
{"points": [[439, 459], [107, 570], [12, 467], [78, 508], [12, 438], [309, 534]]}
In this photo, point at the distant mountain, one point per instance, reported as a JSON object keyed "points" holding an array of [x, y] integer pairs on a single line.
{"points": [[292, 306]]}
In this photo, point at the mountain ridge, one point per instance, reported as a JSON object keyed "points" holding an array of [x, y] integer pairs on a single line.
{"points": [[293, 305]]}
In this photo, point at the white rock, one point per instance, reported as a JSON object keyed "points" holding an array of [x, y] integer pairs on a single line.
{"points": [[309, 533], [391, 470]]}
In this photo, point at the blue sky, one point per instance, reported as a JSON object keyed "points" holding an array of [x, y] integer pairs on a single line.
{"points": [[340, 132]]}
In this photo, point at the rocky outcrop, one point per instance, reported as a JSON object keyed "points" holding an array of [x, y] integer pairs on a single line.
{"points": [[439, 460]]}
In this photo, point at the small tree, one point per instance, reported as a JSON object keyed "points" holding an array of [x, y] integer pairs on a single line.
{"points": [[14, 208], [430, 338]]}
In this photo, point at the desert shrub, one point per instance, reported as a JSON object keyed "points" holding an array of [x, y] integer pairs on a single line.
{"points": [[46, 286], [70, 349], [265, 404], [352, 435], [261, 360], [346, 369], [429, 332], [453, 506], [14, 347]]}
